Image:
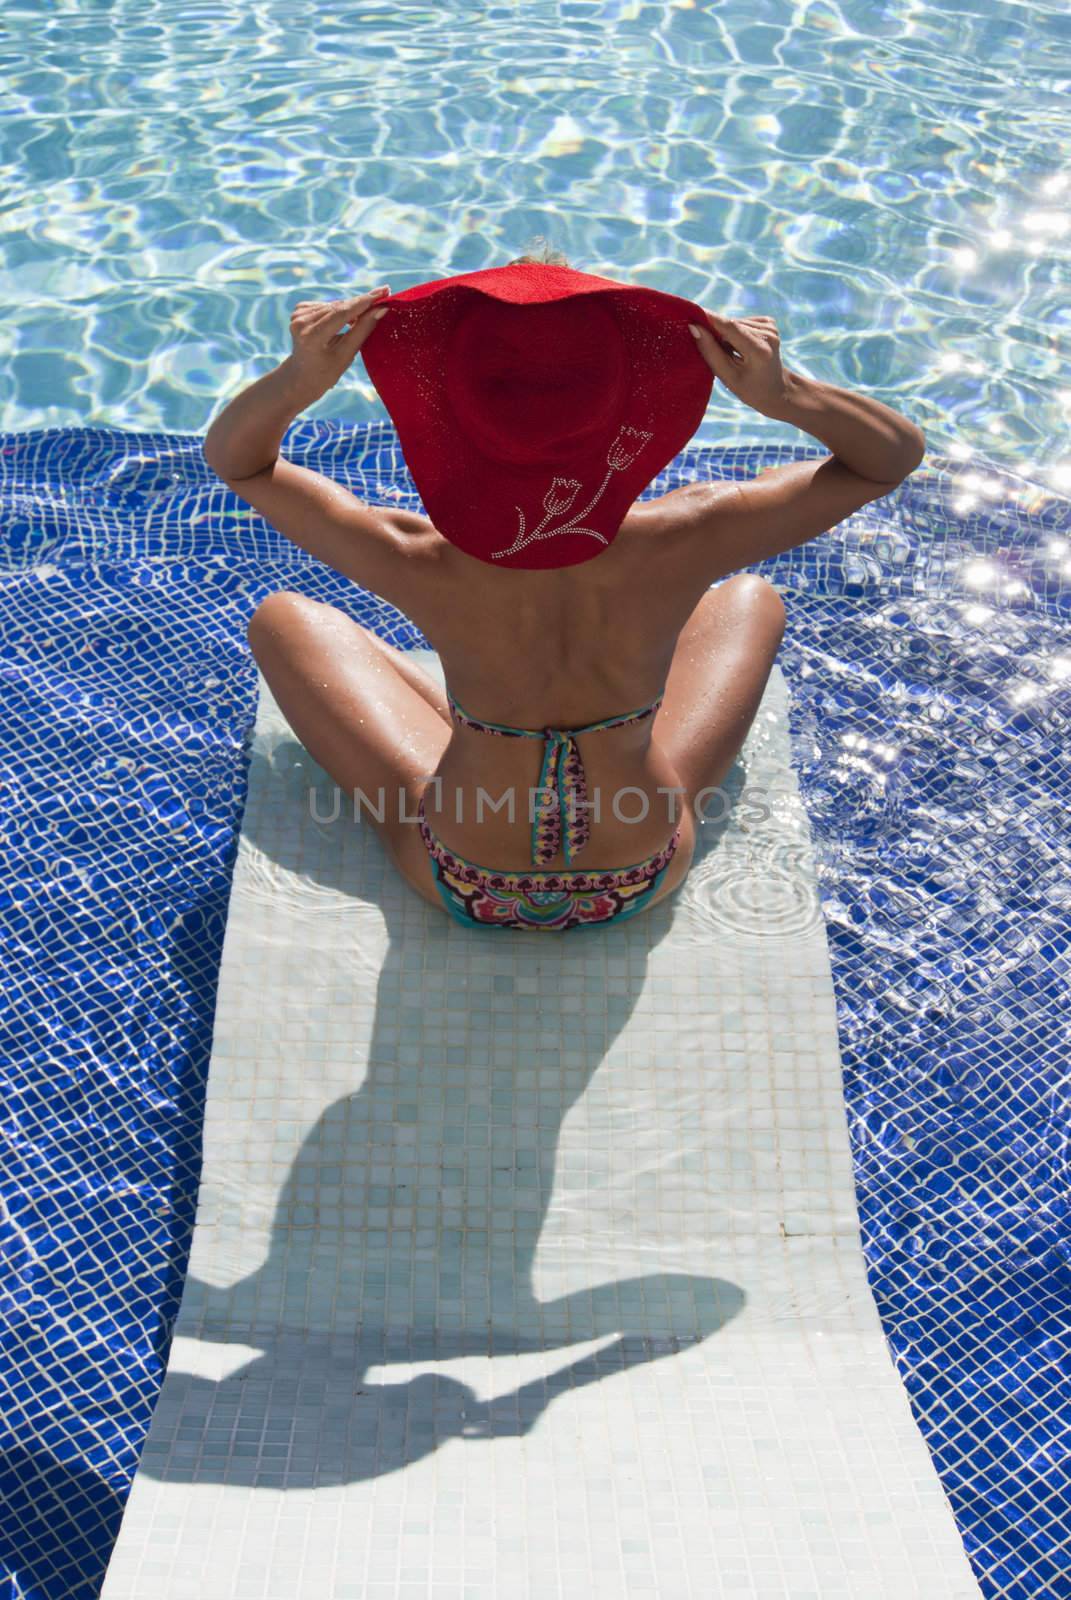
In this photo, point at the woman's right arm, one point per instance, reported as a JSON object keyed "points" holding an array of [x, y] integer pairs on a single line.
{"points": [[866, 435], [874, 449], [870, 438]]}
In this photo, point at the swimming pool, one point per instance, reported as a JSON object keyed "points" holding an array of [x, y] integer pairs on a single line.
{"points": [[870, 176]]}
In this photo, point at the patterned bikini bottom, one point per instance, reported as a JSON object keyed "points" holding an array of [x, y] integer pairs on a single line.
{"points": [[556, 901]]}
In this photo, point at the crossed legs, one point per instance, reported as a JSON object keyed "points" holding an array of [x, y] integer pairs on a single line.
{"points": [[375, 721]]}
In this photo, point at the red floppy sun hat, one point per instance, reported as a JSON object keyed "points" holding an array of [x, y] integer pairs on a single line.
{"points": [[534, 403]]}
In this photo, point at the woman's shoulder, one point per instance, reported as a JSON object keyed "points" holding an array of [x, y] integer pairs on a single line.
{"points": [[643, 516], [463, 600]]}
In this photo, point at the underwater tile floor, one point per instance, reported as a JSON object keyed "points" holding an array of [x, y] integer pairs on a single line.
{"points": [[525, 1265]]}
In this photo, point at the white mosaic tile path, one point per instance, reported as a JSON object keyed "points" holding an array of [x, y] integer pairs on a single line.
{"points": [[528, 1265]]}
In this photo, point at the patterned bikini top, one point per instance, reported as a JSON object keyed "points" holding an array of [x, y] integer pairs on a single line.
{"points": [[561, 808]]}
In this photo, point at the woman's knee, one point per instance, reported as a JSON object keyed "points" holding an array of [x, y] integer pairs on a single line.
{"points": [[277, 614], [756, 599]]}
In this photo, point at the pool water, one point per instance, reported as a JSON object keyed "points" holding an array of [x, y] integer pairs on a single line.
{"points": [[872, 176], [876, 177]]}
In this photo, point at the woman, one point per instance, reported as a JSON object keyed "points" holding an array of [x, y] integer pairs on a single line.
{"points": [[541, 825]]}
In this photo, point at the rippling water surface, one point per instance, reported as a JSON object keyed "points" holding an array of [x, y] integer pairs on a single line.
{"points": [[888, 180]]}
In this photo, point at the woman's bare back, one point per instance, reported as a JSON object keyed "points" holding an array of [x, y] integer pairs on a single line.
{"points": [[559, 648]]}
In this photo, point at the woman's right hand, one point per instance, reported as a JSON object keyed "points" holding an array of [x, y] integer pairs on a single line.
{"points": [[746, 356]]}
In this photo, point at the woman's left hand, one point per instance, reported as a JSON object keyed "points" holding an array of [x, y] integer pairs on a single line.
{"points": [[322, 351]]}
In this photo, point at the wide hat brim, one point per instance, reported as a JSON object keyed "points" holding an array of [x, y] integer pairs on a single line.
{"points": [[534, 404]]}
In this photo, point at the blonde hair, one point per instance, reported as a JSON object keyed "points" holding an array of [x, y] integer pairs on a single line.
{"points": [[547, 256]]}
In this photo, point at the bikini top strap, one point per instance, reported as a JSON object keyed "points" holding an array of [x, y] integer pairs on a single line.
{"points": [[483, 726], [618, 722], [561, 821]]}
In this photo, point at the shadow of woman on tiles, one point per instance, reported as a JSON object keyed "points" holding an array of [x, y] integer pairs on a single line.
{"points": [[407, 1228]]}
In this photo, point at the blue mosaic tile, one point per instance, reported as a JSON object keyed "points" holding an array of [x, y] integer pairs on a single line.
{"points": [[930, 706]]}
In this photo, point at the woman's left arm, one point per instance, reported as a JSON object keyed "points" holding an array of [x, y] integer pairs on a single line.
{"points": [[242, 447], [245, 437]]}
